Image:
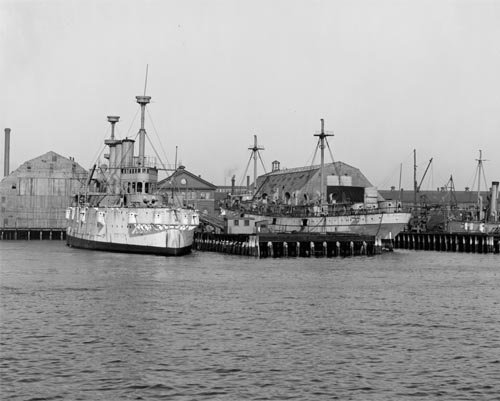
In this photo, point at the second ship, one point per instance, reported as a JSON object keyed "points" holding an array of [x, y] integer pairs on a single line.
{"points": [[278, 206]]}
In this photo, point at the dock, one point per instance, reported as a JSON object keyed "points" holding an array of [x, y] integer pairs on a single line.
{"points": [[275, 245], [449, 242], [32, 234]]}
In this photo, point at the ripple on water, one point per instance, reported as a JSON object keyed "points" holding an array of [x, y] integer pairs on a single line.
{"points": [[91, 325]]}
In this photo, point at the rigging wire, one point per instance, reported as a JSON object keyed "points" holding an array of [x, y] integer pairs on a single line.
{"points": [[315, 153], [97, 155], [262, 162], [133, 121], [159, 140], [156, 153], [484, 178], [333, 160], [246, 170], [392, 173]]}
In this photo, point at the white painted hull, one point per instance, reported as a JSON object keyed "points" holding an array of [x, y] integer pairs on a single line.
{"points": [[164, 231], [380, 225]]}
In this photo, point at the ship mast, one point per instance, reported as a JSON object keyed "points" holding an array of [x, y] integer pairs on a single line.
{"points": [[255, 152], [480, 168], [322, 137], [143, 101]]}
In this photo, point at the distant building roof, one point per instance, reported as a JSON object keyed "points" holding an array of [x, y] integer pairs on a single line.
{"points": [[50, 163], [193, 181], [435, 197]]}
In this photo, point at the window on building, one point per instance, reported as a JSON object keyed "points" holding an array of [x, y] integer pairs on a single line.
{"points": [[236, 222], [139, 187], [247, 222]]}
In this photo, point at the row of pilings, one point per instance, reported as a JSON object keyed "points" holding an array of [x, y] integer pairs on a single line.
{"points": [[449, 242], [287, 245], [32, 234]]}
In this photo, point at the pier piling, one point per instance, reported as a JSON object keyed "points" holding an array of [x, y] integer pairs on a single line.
{"points": [[449, 242], [286, 245]]}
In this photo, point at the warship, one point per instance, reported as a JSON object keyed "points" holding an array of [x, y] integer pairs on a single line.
{"points": [[122, 210]]}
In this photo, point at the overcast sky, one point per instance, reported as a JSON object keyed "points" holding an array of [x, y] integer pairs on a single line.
{"points": [[387, 76]]}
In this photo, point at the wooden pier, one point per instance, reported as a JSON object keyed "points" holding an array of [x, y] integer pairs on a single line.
{"points": [[449, 242], [287, 245], [32, 234]]}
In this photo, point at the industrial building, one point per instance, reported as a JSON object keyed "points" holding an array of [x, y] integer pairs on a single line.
{"points": [[37, 193], [301, 185], [188, 189]]}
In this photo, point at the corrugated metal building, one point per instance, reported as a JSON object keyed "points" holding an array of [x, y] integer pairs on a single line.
{"points": [[302, 184], [37, 194]]}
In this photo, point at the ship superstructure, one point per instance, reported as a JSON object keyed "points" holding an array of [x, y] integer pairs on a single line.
{"points": [[121, 209]]}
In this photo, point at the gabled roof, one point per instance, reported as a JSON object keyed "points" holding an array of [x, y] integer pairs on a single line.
{"points": [[192, 181], [49, 162]]}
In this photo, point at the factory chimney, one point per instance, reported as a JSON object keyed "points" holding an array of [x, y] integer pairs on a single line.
{"points": [[6, 160], [494, 201], [233, 181]]}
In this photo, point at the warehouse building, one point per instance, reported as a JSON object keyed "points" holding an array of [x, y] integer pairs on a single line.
{"points": [[37, 194], [297, 186]]}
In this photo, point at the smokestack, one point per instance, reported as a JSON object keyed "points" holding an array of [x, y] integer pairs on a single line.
{"points": [[233, 180], [494, 201], [6, 160], [248, 182]]}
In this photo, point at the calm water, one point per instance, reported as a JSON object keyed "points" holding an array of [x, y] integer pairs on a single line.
{"points": [[84, 325]]}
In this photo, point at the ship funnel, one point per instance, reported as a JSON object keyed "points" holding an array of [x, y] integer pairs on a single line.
{"points": [[112, 142], [143, 101], [6, 160], [127, 153], [494, 201]]}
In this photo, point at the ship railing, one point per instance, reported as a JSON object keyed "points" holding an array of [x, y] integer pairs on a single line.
{"points": [[306, 211], [296, 228], [149, 162]]}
